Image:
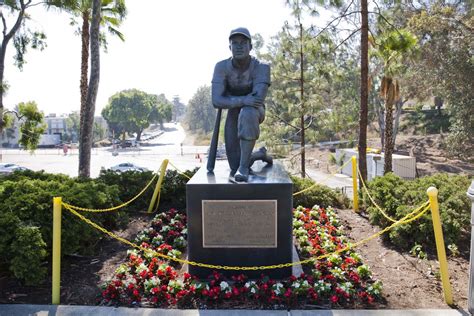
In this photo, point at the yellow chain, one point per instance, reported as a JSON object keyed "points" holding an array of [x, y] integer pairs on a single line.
{"points": [[406, 219], [372, 199], [69, 206], [179, 171], [329, 176]]}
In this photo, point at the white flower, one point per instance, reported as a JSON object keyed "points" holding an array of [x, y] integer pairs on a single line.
{"points": [[225, 286], [277, 288], [141, 267]]}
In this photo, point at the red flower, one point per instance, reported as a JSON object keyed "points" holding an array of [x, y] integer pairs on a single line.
{"points": [[235, 291], [288, 293], [334, 298], [370, 299]]}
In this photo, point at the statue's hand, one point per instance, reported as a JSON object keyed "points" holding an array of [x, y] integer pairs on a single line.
{"points": [[253, 100]]}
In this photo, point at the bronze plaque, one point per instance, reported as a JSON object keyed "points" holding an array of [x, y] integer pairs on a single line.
{"points": [[239, 223]]}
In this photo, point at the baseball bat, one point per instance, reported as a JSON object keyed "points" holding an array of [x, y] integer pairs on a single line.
{"points": [[211, 158]]}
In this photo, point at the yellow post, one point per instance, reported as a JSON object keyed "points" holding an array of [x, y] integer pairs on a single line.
{"points": [[438, 231], [57, 203], [355, 194], [156, 193]]}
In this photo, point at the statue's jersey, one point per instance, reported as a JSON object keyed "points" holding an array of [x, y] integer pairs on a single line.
{"points": [[240, 84]]}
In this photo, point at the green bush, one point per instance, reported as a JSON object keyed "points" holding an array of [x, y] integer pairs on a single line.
{"points": [[26, 213], [398, 197], [318, 195], [173, 190], [28, 254]]}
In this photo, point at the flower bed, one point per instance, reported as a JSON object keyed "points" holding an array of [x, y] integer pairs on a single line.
{"points": [[335, 281]]}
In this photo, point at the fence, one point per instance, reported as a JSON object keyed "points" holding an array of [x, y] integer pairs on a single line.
{"points": [[431, 204]]}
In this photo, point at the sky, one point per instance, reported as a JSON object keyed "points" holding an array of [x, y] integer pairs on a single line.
{"points": [[171, 47]]}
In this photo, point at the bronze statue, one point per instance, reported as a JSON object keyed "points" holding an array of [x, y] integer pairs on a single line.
{"points": [[240, 85]]}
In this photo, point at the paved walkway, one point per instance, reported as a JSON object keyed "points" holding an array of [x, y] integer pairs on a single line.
{"points": [[69, 310], [339, 182]]}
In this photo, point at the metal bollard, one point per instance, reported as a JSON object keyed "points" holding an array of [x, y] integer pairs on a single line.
{"points": [[438, 232], [56, 282], [470, 194], [355, 194]]}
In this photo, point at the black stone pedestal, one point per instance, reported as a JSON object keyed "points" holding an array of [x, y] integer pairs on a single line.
{"points": [[240, 224]]}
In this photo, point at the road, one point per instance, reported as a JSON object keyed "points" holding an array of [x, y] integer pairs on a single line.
{"points": [[166, 146]]}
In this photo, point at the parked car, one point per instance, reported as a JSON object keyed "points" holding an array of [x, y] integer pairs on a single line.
{"points": [[127, 166], [7, 168]]}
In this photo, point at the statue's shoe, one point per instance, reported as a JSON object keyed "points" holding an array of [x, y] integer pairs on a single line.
{"points": [[261, 154], [240, 177]]}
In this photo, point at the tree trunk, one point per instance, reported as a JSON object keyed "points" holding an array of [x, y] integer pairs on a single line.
{"points": [[438, 102], [84, 66], [399, 105], [364, 90], [85, 144], [139, 135], [303, 141], [7, 36], [388, 150], [381, 119]]}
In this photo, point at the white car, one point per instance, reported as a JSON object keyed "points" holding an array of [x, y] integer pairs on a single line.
{"points": [[127, 166], [7, 168]]}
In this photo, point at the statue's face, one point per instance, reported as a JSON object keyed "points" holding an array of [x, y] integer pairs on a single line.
{"points": [[240, 46]]}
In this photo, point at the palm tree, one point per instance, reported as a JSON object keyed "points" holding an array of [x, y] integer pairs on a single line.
{"points": [[364, 90], [392, 48], [85, 143], [112, 14]]}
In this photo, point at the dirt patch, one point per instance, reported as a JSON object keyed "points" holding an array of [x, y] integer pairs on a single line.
{"points": [[408, 282]]}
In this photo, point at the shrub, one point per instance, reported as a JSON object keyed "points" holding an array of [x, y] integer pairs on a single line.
{"points": [[28, 253], [318, 195], [173, 190], [26, 213], [398, 197]]}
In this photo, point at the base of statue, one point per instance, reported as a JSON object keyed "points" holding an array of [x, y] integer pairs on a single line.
{"points": [[240, 224]]}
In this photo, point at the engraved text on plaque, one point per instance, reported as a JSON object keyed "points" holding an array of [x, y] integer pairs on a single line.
{"points": [[239, 223]]}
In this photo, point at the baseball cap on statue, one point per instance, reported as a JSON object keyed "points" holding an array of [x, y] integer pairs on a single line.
{"points": [[242, 31]]}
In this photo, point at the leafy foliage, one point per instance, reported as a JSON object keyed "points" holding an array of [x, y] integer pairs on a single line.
{"points": [[32, 126], [26, 213], [131, 111], [398, 197], [200, 113]]}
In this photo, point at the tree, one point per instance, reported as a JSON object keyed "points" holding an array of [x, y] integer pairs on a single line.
{"points": [[200, 113], [179, 109], [85, 143], [364, 89], [22, 37], [162, 110], [392, 47], [132, 111], [72, 127], [113, 13], [446, 68]]}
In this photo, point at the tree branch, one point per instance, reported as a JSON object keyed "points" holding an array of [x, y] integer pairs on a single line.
{"points": [[345, 40], [18, 116]]}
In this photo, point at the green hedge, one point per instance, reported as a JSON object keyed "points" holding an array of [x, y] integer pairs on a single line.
{"points": [[318, 195], [26, 213], [399, 197]]}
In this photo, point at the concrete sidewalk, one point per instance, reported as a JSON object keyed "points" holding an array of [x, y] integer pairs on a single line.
{"points": [[70, 310], [339, 181]]}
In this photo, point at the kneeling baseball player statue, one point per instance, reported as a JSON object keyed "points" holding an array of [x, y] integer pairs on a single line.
{"points": [[240, 85]]}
